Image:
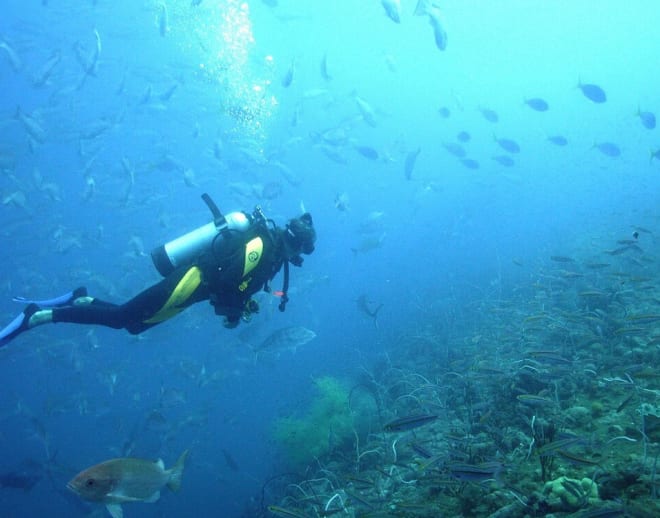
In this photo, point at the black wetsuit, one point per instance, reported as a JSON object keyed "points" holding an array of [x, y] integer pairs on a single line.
{"points": [[237, 267]]}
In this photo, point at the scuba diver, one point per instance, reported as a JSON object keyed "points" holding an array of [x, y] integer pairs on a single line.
{"points": [[225, 262]]}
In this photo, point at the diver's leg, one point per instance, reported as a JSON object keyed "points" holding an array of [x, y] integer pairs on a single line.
{"points": [[82, 309], [34, 314], [148, 308], [159, 302], [18, 325]]}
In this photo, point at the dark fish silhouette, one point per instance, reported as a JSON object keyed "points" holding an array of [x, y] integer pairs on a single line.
{"points": [[229, 460], [24, 476], [608, 148], [409, 422], [367, 152], [508, 145], [647, 118], [463, 136], [288, 76], [369, 308], [470, 163], [537, 104], [409, 166], [444, 112], [455, 149], [489, 115], [558, 140], [504, 160], [593, 92]]}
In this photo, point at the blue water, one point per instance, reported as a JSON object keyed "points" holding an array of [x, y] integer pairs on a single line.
{"points": [[111, 163]]}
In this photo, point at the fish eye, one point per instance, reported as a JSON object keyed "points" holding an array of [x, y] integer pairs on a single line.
{"points": [[89, 482]]}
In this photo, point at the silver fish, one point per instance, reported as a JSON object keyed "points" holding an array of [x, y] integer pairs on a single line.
{"points": [[126, 479], [392, 9], [285, 339]]}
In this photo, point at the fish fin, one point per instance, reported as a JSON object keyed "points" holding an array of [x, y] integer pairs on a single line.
{"points": [[115, 510], [153, 498], [174, 483], [160, 464]]}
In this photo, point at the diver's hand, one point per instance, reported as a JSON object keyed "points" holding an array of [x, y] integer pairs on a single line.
{"points": [[251, 307]]}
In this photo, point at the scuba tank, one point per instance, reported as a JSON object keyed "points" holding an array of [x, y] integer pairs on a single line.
{"points": [[185, 249]]}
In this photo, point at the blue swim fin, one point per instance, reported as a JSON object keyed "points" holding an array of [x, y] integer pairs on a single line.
{"points": [[62, 300], [18, 325]]}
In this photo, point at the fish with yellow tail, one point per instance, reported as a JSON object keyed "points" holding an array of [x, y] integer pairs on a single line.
{"points": [[118, 481]]}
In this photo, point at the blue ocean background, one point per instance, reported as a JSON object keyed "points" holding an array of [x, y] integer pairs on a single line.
{"points": [[115, 118]]}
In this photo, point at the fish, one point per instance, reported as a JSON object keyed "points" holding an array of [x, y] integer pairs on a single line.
{"points": [[342, 202], [89, 63], [537, 104], [444, 112], [24, 476], [647, 118], [409, 164], [489, 115], [422, 7], [366, 111], [367, 152], [625, 402], [288, 76], [654, 154], [163, 21], [96, 128], [608, 148], [369, 308], [31, 125], [549, 357], [167, 94], [593, 92], [455, 149], [470, 163], [474, 473], [229, 460], [420, 450], [325, 74], [508, 145], [369, 243], [428, 8], [14, 60], [463, 136], [374, 222], [126, 479], [534, 400], [596, 266], [392, 9], [551, 448], [409, 422], [504, 160], [285, 339], [576, 460], [558, 140], [439, 33], [561, 259], [47, 70]]}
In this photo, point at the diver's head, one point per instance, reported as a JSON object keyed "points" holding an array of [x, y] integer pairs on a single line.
{"points": [[299, 236]]}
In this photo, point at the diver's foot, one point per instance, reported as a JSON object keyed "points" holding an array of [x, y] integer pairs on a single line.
{"points": [[63, 300], [19, 324]]}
